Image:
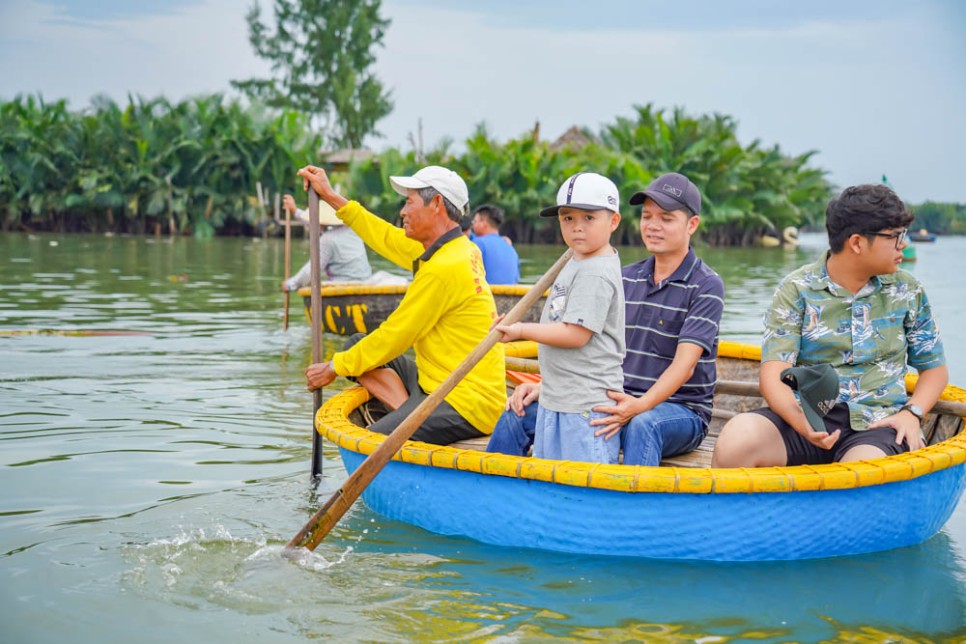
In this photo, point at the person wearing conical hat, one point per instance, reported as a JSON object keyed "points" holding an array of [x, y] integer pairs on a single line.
{"points": [[342, 254]]}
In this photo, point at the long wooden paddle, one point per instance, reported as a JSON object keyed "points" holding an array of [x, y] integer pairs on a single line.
{"points": [[740, 387], [329, 514], [315, 309], [288, 260]]}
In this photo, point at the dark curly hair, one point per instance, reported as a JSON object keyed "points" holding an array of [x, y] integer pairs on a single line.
{"points": [[862, 210]]}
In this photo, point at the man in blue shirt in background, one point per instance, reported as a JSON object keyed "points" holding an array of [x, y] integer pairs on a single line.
{"points": [[500, 259]]}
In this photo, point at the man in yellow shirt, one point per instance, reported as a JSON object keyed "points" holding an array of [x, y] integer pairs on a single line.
{"points": [[446, 312]]}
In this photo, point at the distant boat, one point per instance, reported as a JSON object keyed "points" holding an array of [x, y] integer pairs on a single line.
{"points": [[909, 253], [683, 509], [349, 308], [922, 236]]}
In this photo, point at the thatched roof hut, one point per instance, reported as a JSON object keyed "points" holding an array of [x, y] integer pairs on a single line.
{"points": [[340, 159], [574, 139]]}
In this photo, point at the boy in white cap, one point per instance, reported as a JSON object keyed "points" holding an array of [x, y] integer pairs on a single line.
{"points": [[581, 331], [446, 312], [673, 305]]}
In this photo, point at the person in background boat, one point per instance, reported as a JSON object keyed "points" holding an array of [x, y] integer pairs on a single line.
{"points": [[499, 257], [673, 307], [581, 330], [855, 310], [342, 255], [466, 226], [446, 312]]}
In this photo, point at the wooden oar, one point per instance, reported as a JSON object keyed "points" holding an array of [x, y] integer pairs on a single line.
{"points": [[739, 387], [329, 514], [288, 260], [316, 311]]}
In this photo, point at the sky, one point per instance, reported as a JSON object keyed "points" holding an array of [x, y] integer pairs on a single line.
{"points": [[876, 87]]}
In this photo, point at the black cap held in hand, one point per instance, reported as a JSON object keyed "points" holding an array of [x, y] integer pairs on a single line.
{"points": [[818, 391]]}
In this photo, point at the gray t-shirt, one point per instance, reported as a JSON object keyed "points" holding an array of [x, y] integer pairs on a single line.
{"points": [[587, 292]]}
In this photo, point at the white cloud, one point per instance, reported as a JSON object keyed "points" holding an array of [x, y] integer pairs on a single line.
{"points": [[193, 50], [873, 97]]}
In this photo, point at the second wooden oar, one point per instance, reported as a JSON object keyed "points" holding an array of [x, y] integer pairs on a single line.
{"points": [[739, 387], [288, 261], [329, 514]]}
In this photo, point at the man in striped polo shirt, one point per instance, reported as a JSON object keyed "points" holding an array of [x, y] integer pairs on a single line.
{"points": [[673, 308]]}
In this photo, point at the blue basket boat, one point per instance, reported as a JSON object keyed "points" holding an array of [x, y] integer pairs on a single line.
{"points": [[680, 510]]}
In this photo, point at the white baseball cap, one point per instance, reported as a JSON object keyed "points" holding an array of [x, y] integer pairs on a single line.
{"points": [[586, 191], [445, 181]]}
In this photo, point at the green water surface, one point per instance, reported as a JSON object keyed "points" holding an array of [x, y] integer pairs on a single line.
{"points": [[150, 481]]}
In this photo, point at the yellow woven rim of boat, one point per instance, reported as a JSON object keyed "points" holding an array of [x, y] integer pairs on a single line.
{"points": [[340, 290], [332, 422]]}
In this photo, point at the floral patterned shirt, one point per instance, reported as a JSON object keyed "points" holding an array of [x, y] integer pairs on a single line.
{"points": [[870, 337]]}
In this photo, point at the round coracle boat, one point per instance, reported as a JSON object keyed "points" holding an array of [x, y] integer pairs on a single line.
{"points": [[349, 308], [683, 509]]}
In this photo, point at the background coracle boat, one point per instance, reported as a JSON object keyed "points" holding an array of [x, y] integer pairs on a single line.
{"points": [[360, 308], [681, 510], [922, 235]]}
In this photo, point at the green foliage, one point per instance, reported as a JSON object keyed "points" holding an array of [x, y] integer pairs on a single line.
{"points": [[746, 190], [320, 53], [193, 167], [943, 218], [149, 163]]}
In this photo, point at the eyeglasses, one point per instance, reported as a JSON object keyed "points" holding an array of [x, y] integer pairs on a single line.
{"points": [[900, 236]]}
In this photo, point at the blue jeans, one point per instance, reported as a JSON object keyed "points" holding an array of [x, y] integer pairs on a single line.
{"points": [[567, 436], [666, 430], [514, 434]]}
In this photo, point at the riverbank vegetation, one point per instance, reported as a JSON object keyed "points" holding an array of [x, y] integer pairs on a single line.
{"points": [[151, 166], [195, 167]]}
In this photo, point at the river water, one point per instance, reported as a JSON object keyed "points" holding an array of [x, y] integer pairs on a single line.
{"points": [[150, 480]]}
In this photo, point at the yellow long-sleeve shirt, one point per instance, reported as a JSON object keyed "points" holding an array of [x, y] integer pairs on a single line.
{"points": [[445, 314]]}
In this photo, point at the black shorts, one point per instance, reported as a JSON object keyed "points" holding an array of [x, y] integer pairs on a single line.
{"points": [[802, 452], [443, 426]]}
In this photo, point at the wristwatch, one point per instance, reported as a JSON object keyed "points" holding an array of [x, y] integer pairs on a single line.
{"points": [[913, 409]]}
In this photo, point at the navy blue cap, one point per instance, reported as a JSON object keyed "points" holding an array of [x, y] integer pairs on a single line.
{"points": [[671, 191]]}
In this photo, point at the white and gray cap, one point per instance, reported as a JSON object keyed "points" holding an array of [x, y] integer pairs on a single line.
{"points": [[586, 191], [445, 181]]}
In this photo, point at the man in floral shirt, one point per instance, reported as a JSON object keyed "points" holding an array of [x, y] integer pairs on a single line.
{"points": [[855, 310]]}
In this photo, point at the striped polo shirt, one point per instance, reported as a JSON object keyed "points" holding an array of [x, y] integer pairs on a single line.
{"points": [[685, 307]]}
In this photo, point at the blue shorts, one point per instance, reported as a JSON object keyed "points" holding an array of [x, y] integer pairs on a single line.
{"points": [[570, 437]]}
